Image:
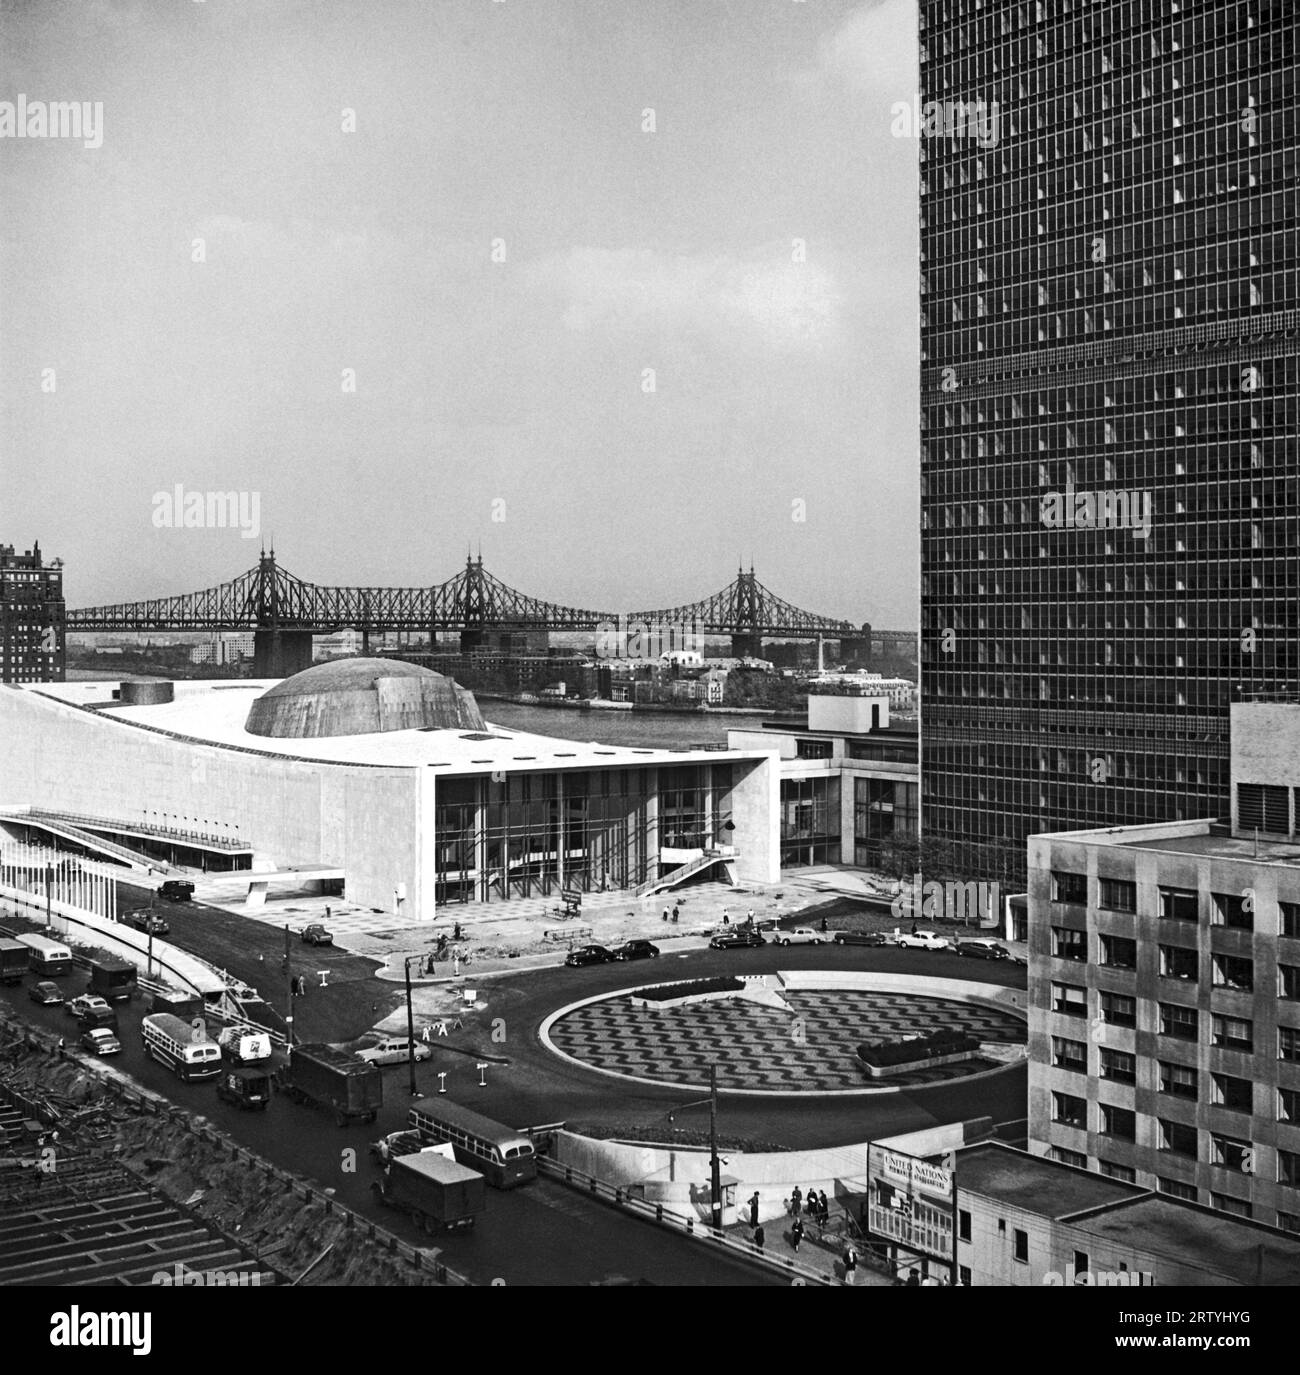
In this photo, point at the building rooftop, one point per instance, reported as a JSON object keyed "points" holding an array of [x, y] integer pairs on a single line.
{"points": [[1210, 838], [1240, 1250], [214, 713], [1034, 1183]]}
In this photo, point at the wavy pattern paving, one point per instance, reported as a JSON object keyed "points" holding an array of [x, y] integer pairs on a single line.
{"points": [[807, 1050]]}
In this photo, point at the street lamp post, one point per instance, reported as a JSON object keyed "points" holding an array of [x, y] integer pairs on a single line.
{"points": [[715, 1161], [288, 978], [410, 1025], [715, 1168]]}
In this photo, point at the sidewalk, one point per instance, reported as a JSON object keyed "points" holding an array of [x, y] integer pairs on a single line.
{"points": [[826, 1258]]}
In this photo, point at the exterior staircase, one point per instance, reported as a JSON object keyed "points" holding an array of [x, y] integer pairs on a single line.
{"points": [[671, 879]]}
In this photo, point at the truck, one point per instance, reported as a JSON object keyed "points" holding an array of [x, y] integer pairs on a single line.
{"points": [[112, 979], [439, 1194], [245, 1085], [13, 961], [345, 1084], [186, 1006], [243, 1047], [143, 919]]}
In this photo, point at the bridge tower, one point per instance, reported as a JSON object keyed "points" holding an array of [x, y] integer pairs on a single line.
{"points": [[747, 640], [471, 605], [856, 649], [277, 652]]}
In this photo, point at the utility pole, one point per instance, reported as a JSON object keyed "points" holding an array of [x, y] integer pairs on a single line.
{"points": [[715, 1168]]}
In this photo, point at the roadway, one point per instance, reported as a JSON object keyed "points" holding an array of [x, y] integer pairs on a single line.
{"points": [[544, 1234]]}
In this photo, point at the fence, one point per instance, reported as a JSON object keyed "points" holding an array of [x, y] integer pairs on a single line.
{"points": [[622, 1197]]}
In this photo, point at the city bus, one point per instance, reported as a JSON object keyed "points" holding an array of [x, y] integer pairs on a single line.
{"points": [[504, 1157], [184, 1047], [45, 956]]}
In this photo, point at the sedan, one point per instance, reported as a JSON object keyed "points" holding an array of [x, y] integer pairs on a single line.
{"points": [[87, 1002], [589, 954], [100, 1041], [859, 938], [923, 940], [735, 940], [45, 992], [636, 950], [983, 950], [316, 934], [801, 935]]}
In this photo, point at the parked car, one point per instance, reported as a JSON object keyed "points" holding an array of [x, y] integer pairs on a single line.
{"points": [[923, 940], [100, 1040], [86, 1002], [394, 1050], [983, 950], [176, 890], [588, 954], [636, 950], [859, 938], [801, 935], [734, 940], [45, 992], [316, 934]]}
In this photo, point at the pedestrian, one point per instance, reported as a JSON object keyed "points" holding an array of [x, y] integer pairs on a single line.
{"points": [[913, 1280], [327, 914], [914, 928], [726, 920], [850, 1264], [749, 917], [665, 914], [425, 1036], [677, 907], [759, 1236], [674, 916], [455, 935], [823, 925], [796, 1235], [823, 1209], [753, 1211], [796, 1201], [455, 963]]}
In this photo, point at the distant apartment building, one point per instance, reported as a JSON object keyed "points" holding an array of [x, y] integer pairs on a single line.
{"points": [[900, 691], [32, 617], [1110, 391], [1164, 988], [223, 649], [848, 781]]}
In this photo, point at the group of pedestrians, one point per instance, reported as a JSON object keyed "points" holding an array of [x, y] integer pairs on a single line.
{"points": [[676, 913], [813, 1204]]}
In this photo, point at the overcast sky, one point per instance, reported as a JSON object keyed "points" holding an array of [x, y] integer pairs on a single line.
{"points": [[495, 402]]}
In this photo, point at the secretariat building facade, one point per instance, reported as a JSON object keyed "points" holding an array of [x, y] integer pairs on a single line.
{"points": [[1110, 405]]}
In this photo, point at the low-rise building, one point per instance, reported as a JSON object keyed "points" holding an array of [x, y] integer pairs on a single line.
{"points": [[848, 780], [1023, 1220]]}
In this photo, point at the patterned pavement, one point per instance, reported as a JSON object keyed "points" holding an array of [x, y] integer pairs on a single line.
{"points": [[810, 1049]]}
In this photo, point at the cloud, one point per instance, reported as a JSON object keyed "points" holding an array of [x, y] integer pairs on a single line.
{"points": [[873, 53], [763, 298]]}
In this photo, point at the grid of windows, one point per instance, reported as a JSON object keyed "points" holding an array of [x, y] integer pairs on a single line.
{"points": [[32, 617], [1109, 399]]}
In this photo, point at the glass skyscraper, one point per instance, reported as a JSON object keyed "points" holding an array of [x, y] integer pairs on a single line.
{"points": [[1110, 407]]}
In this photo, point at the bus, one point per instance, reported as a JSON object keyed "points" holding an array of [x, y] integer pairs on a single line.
{"points": [[503, 1156], [47, 957], [182, 1046]]}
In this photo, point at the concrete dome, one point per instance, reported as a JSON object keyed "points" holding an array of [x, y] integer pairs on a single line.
{"points": [[362, 697]]}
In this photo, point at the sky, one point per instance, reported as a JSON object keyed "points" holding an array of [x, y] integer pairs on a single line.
{"points": [[623, 293]]}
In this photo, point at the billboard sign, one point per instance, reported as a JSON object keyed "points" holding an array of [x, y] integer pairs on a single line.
{"points": [[910, 1202]]}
